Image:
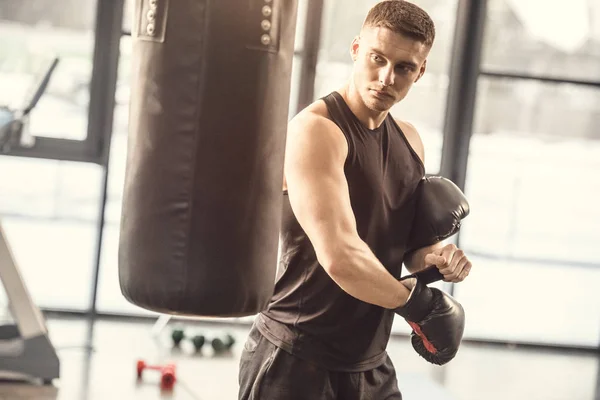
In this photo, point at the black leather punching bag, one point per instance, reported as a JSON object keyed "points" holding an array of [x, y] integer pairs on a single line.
{"points": [[208, 118]]}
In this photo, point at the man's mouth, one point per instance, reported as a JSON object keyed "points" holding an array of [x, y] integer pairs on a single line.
{"points": [[381, 94]]}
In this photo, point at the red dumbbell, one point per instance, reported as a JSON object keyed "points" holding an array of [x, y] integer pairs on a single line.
{"points": [[167, 373]]}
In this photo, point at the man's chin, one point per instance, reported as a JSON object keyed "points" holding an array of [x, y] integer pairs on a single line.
{"points": [[377, 102], [379, 105]]}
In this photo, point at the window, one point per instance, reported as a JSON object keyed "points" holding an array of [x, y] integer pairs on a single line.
{"points": [[532, 232], [33, 34], [50, 201], [127, 16], [49, 211], [547, 38]]}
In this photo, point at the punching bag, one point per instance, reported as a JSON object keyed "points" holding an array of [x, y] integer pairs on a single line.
{"points": [[203, 184]]}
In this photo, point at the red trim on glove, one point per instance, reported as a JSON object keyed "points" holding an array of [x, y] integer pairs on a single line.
{"points": [[428, 345]]}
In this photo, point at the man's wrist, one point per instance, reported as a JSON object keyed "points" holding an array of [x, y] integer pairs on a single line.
{"points": [[402, 295]]}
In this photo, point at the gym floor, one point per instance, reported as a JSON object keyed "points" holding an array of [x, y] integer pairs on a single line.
{"points": [[106, 369]]}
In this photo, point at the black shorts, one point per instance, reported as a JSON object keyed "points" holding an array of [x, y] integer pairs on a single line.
{"points": [[269, 373]]}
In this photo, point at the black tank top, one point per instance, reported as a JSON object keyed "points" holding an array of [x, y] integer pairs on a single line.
{"points": [[309, 315]]}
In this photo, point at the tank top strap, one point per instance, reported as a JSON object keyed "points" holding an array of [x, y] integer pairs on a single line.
{"points": [[344, 118]]}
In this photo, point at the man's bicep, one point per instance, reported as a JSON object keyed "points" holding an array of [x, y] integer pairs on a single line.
{"points": [[317, 186]]}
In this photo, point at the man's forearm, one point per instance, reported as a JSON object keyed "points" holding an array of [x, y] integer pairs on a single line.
{"points": [[361, 275], [415, 261]]}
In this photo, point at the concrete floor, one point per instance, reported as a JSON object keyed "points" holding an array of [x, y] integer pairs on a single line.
{"points": [[106, 369]]}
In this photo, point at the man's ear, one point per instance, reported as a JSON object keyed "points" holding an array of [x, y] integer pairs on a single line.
{"points": [[354, 48], [422, 70]]}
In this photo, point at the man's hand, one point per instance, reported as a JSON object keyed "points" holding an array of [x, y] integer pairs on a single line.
{"points": [[451, 262]]}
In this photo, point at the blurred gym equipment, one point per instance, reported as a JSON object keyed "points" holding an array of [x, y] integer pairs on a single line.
{"points": [[167, 373], [13, 122], [25, 348]]}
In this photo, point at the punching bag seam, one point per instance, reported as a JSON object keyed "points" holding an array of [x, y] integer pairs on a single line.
{"points": [[197, 115]]}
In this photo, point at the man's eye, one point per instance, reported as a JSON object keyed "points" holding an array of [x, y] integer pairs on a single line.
{"points": [[375, 58]]}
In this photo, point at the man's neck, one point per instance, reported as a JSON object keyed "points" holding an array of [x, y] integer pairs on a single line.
{"points": [[369, 118]]}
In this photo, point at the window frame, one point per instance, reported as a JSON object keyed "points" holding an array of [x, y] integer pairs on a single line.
{"points": [[95, 147]]}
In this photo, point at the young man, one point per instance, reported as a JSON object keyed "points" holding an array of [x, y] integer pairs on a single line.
{"points": [[350, 175]]}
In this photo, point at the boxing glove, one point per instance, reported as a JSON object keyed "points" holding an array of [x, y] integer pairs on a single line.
{"points": [[440, 207], [437, 320]]}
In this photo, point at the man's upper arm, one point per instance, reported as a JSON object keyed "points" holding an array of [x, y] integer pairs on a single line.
{"points": [[413, 137], [317, 188]]}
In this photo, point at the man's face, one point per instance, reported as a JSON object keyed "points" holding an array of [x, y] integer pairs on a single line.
{"points": [[386, 64]]}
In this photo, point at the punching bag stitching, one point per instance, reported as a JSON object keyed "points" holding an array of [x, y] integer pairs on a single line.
{"points": [[197, 115]]}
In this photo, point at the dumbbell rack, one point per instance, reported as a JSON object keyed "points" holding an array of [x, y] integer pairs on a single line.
{"points": [[25, 347]]}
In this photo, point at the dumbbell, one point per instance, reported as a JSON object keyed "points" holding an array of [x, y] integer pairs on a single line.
{"points": [[167, 373], [178, 335], [221, 345]]}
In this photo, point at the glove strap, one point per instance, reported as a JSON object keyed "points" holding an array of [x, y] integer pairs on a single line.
{"points": [[426, 276], [418, 305]]}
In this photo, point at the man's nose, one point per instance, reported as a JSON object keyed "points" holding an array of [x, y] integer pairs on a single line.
{"points": [[386, 76]]}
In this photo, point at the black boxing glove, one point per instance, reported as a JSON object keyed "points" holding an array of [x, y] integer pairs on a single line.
{"points": [[440, 207], [437, 320]]}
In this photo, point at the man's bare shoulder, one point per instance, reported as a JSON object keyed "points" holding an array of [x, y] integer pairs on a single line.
{"points": [[314, 117], [314, 111], [413, 137], [313, 137]]}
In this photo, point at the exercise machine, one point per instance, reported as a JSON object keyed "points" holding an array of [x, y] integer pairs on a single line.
{"points": [[25, 348], [12, 122]]}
